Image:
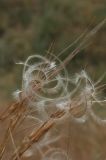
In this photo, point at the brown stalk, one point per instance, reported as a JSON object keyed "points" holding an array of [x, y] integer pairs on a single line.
{"points": [[36, 135], [14, 121], [12, 109]]}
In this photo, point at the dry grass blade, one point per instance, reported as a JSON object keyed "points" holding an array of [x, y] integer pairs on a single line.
{"points": [[14, 121], [37, 134]]}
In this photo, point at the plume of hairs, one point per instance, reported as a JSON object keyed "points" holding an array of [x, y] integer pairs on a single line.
{"points": [[48, 97]]}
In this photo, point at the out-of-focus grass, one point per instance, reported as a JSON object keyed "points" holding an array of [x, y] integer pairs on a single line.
{"points": [[10, 82], [29, 27], [7, 86]]}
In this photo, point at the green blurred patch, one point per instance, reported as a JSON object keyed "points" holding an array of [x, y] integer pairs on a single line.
{"points": [[29, 27]]}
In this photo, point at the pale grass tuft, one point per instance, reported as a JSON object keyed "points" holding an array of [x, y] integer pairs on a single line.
{"points": [[47, 105]]}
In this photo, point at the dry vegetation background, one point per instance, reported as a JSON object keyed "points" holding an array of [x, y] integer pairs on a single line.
{"points": [[30, 26]]}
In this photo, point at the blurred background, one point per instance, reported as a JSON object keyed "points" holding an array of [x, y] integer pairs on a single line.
{"points": [[30, 26]]}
